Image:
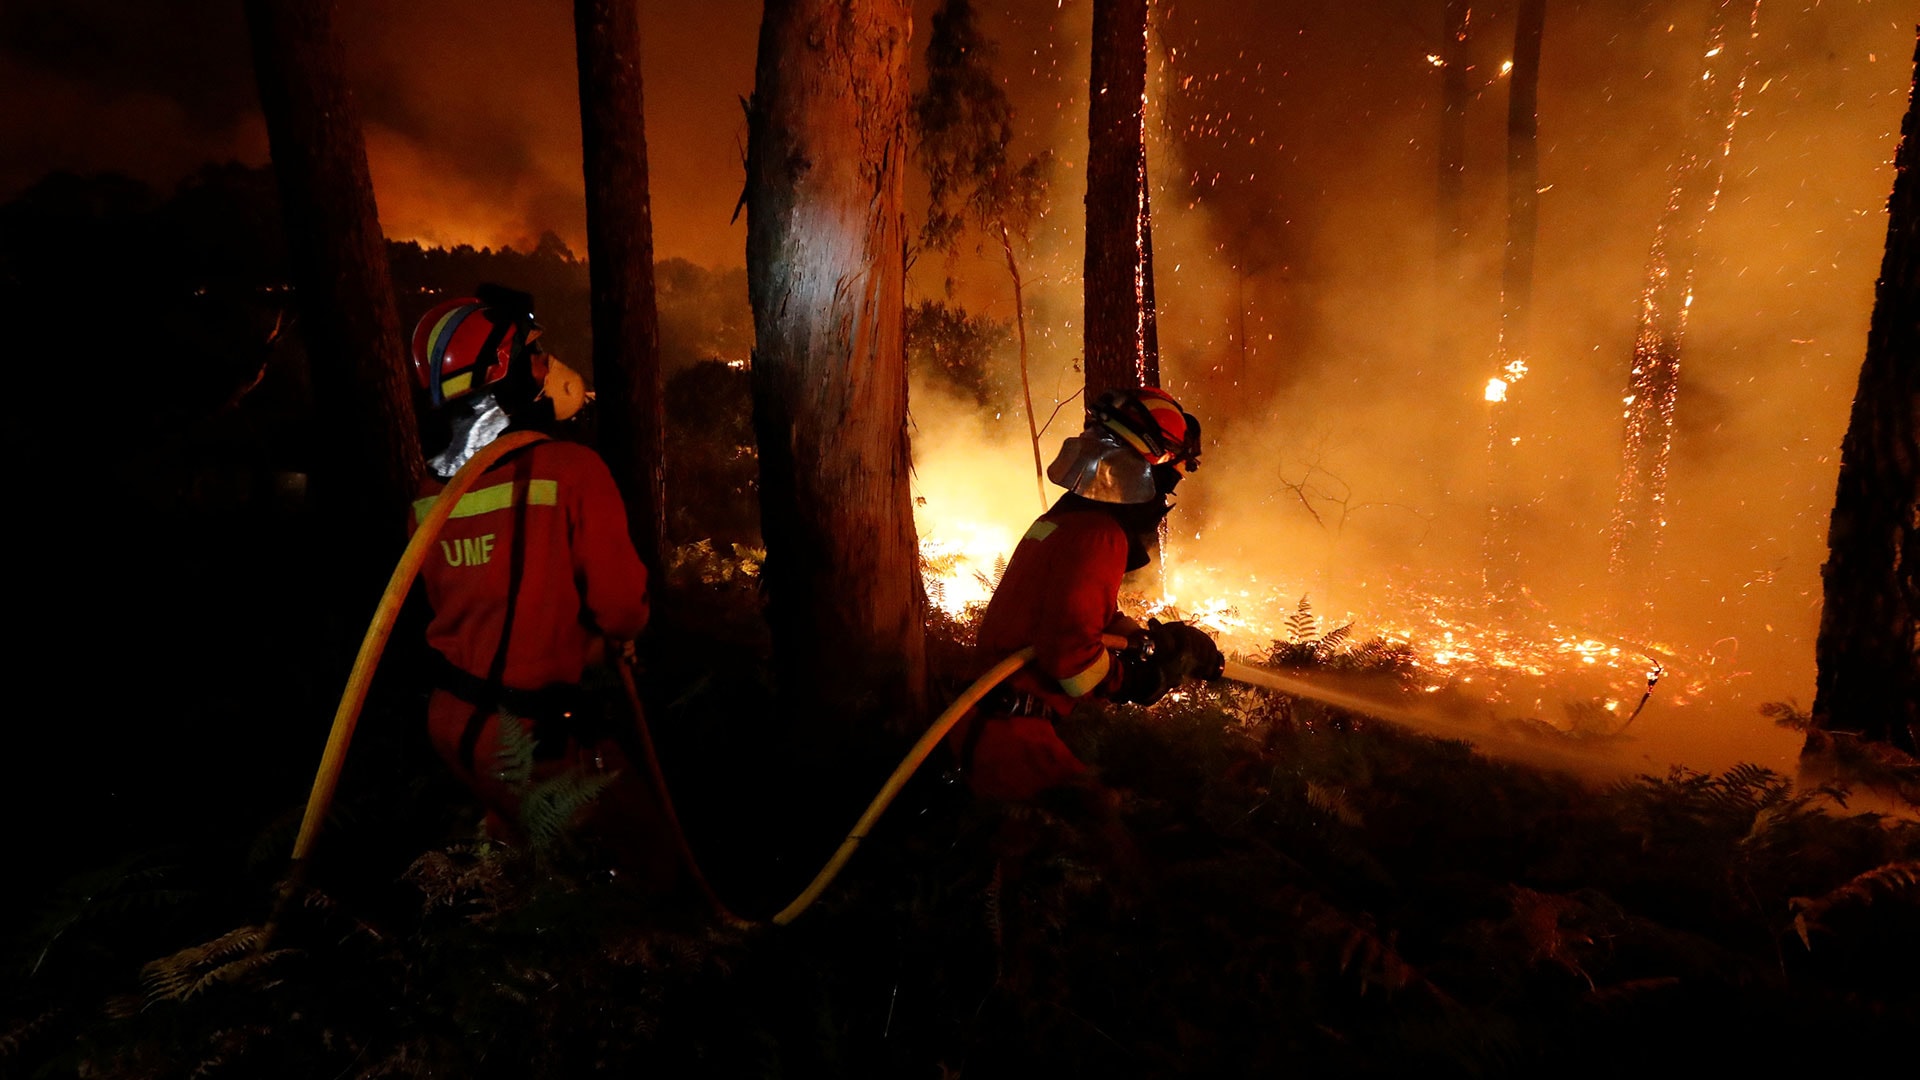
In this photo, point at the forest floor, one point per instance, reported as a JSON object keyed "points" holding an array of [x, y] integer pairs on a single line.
{"points": [[1289, 888]]}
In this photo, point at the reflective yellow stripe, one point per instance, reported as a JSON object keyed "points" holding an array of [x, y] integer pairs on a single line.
{"points": [[1040, 530], [1132, 440], [459, 384], [1080, 684], [488, 499]]}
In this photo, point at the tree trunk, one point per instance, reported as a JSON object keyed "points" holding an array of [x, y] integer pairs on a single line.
{"points": [[1117, 274], [1450, 213], [1523, 180], [1868, 651], [1653, 386], [626, 334], [373, 465], [825, 245], [1516, 302]]}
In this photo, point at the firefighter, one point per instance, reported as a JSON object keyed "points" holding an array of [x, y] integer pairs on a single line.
{"points": [[532, 577], [1060, 594]]}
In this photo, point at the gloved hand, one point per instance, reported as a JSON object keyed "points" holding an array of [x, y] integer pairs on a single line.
{"points": [[1200, 657], [1164, 655]]}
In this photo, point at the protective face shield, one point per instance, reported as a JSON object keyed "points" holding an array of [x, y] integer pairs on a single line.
{"points": [[476, 420], [1097, 465], [1136, 447]]}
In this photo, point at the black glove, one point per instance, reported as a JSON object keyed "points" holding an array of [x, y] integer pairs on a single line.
{"points": [[1164, 655]]}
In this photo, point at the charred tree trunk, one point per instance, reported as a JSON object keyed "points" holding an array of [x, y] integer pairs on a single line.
{"points": [[1639, 516], [1516, 300], [626, 333], [373, 465], [1868, 651], [826, 276], [1118, 275]]}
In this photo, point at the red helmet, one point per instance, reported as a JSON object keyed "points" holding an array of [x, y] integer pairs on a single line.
{"points": [[472, 343], [1152, 422]]}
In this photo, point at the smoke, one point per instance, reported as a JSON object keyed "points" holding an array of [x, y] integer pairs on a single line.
{"points": [[1293, 156], [471, 109]]}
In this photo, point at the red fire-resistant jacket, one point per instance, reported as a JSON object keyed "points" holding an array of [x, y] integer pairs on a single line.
{"points": [[580, 577], [1060, 591]]}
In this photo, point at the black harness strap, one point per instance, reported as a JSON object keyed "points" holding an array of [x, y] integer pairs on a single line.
{"points": [[516, 571]]}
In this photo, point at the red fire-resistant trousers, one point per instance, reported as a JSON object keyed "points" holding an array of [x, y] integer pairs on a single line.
{"points": [[1015, 757], [626, 818]]}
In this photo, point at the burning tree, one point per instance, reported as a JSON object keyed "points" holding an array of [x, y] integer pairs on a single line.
{"points": [[339, 262], [626, 329], [964, 122], [1121, 340], [826, 139], [1868, 649], [1640, 510]]}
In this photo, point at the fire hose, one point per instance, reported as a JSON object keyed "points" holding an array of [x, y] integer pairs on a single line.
{"points": [[353, 698]]}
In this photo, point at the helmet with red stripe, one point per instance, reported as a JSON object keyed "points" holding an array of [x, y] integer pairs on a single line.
{"points": [[1135, 446], [475, 342], [1152, 422]]}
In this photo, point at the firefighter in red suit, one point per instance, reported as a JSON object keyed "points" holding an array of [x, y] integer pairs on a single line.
{"points": [[1060, 595], [531, 578]]}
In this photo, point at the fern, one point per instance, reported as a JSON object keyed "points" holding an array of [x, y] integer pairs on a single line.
{"points": [[1334, 638], [1893, 879], [228, 958], [513, 760], [548, 809], [1303, 628], [1333, 802]]}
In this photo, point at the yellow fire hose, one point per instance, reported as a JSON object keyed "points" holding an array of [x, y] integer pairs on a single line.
{"points": [[371, 646], [928, 740], [354, 697]]}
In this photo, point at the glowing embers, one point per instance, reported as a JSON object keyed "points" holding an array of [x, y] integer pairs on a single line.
{"points": [[1512, 373]]}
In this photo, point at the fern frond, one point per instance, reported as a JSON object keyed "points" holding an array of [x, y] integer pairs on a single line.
{"points": [[193, 969], [1891, 879], [1787, 714], [1302, 627], [1332, 640], [1333, 802], [549, 808], [513, 761]]}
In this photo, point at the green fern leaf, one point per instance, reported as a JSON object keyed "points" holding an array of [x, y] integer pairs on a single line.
{"points": [[513, 761]]}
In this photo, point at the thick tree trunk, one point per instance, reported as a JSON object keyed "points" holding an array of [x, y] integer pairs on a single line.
{"points": [[825, 244], [626, 332], [1868, 651], [345, 292], [1516, 303], [1117, 277]]}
